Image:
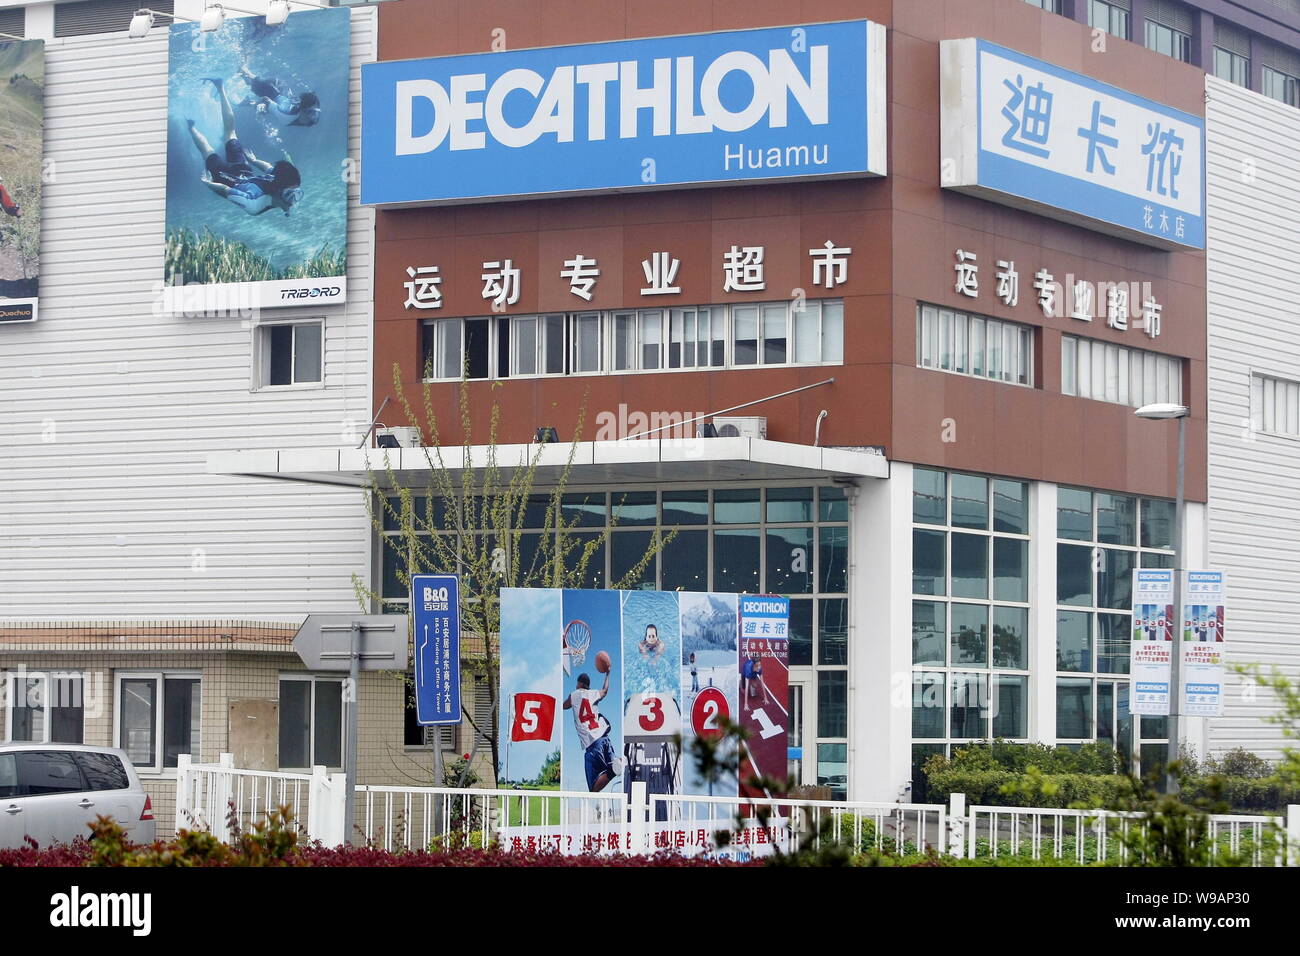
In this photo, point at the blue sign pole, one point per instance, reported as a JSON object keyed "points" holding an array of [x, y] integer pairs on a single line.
{"points": [[435, 610]]}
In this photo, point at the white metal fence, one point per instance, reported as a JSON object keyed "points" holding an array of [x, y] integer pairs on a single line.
{"points": [[220, 798]]}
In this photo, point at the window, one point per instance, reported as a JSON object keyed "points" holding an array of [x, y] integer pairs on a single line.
{"points": [[974, 345], [99, 16], [1275, 406], [291, 353], [311, 721], [44, 708], [970, 607], [1109, 15], [417, 735], [158, 717], [1232, 67], [1114, 373], [1051, 6], [1169, 28], [14, 21], [1281, 86], [1170, 42], [636, 340]]}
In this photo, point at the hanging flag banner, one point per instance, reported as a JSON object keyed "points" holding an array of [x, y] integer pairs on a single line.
{"points": [[1026, 133], [435, 607], [1153, 641], [22, 124], [601, 689], [1202, 643]]}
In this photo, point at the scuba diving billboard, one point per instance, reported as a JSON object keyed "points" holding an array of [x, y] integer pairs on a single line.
{"points": [[22, 128], [257, 138]]}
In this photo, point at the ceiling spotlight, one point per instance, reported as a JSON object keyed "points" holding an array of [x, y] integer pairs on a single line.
{"points": [[141, 24], [212, 19], [277, 12]]}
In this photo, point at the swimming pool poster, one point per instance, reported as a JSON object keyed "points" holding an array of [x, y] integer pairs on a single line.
{"points": [[257, 138], [1204, 602], [597, 686], [22, 132]]}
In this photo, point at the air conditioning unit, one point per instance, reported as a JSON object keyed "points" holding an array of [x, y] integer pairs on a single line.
{"points": [[753, 426], [401, 436]]}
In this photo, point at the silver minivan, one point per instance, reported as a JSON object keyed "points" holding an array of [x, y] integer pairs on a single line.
{"points": [[53, 792]]}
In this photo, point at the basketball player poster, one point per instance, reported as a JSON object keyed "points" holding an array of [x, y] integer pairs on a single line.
{"points": [[764, 689], [651, 712], [592, 701], [709, 680]]}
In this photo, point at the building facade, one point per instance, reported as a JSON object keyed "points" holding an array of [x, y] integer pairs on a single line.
{"points": [[931, 376]]}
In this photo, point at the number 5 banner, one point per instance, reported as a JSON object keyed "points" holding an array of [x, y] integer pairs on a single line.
{"points": [[534, 717]]}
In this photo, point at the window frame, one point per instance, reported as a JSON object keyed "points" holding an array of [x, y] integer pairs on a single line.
{"points": [[940, 330], [10, 679], [262, 361], [1092, 363], [159, 677], [313, 679]]}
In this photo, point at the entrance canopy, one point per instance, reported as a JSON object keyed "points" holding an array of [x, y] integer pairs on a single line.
{"points": [[636, 461]]}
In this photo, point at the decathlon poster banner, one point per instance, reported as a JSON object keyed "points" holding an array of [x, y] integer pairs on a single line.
{"points": [[22, 126], [739, 106], [764, 688], [1153, 641], [257, 138], [710, 679], [1204, 600]]}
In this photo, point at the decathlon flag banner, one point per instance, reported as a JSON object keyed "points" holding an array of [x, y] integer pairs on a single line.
{"points": [[602, 688], [1153, 641], [257, 145], [1028, 134], [435, 609], [1204, 600], [22, 116], [741, 106]]}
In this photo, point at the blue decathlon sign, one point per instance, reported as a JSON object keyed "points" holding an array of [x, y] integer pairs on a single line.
{"points": [[706, 109], [435, 605], [1026, 133]]}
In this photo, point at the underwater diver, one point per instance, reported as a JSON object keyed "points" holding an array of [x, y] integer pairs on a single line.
{"points": [[254, 185], [270, 94]]}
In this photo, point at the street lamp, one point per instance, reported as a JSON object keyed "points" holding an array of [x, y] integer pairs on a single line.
{"points": [[1160, 411]]}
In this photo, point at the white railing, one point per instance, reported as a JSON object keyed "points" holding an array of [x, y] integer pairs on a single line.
{"points": [[221, 798], [1089, 836]]}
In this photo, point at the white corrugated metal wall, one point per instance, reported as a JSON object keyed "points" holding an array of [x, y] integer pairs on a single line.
{"points": [[108, 411], [1253, 185]]}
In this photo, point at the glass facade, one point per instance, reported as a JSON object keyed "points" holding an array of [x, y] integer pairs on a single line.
{"points": [[970, 610], [1100, 539], [790, 540]]}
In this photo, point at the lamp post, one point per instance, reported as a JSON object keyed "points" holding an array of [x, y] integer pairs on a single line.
{"points": [[1163, 411]]}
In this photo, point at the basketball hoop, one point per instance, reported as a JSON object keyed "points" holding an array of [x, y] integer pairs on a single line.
{"points": [[576, 640]]}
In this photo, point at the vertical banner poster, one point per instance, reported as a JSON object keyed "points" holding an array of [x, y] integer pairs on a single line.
{"points": [[710, 681], [764, 665], [652, 718], [591, 643], [531, 689], [257, 140], [1202, 643], [1153, 641], [22, 130], [435, 604]]}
